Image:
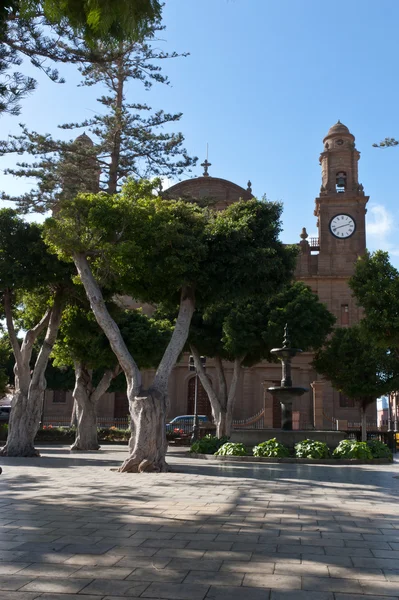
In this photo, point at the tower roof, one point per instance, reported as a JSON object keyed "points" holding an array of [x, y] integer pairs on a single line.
{"points": [[337, 130], [84, 139]]}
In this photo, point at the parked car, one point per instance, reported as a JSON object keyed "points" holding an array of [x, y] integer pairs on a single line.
{"points": [[186, 422], [5, 410]]}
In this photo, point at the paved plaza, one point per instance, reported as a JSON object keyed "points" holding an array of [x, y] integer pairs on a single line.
{"points": [[72, 528]]}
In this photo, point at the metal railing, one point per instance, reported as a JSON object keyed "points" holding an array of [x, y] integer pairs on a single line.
{"points": [[255, 422], [56, 421]]}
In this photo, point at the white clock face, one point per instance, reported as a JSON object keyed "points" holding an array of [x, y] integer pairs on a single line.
{"points": [[342, 226]]}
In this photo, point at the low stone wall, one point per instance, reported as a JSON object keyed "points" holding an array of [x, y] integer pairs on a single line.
{"points": [[252, 437]]}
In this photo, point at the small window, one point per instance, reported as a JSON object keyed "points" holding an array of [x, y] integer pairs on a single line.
{"points": [[344, 314], [59, 396], [345, 402]]}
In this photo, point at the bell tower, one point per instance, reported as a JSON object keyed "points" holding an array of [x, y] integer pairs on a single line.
{"points": [[341, 205]]}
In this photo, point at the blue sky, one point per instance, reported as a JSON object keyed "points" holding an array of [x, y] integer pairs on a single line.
{"points": [[262, 85]]}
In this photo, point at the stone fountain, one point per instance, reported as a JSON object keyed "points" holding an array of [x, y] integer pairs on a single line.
{"points": [[286, 392]]}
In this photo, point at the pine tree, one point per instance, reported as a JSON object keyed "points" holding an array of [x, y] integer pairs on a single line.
{"points": [[128, 138]]}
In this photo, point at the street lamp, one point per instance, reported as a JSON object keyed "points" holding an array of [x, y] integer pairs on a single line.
{"points": [[191, 366]]}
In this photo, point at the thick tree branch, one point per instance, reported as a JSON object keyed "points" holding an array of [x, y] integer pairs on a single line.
{"points": [[177, 341], [234, 382], [11, 329], [206, 382], [107, 324], [102, 386], [221, 380], [51, 335]]}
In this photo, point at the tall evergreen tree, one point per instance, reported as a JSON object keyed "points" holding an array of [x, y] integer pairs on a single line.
{"points": [[128, 138]]}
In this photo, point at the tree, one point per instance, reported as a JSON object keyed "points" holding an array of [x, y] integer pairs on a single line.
{"points": [[244, 333], [375, 285], [83, 345], [358, 368], [128, 137], [165, 251], [28, 29], [34, 283]]}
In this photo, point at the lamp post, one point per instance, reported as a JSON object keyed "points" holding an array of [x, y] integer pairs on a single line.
{"points": [[191, 366]]}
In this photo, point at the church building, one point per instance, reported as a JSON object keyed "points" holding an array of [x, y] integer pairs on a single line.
{"points": [[325, 264]]}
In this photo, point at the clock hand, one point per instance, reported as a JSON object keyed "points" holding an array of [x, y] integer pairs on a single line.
{"points": [[342, 225]]}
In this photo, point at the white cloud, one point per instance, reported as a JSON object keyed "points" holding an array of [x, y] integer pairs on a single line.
{"points": [[379, 222], [381, 231]]}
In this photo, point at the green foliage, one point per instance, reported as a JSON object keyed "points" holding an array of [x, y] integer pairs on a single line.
{"points": [[270, 449], [311, 449], [3, 431], [376, 287], [352, 449], [100, 19], [209, 444], [25, 263], [379, 449], [232, 449], [356, 366]]}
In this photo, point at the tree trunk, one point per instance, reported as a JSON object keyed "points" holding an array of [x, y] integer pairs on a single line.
{"points": [[86, 411], [363, 420], [148, 409], [222, 404], [86, 399], [28, 399], [148, 443], [23, 426]]}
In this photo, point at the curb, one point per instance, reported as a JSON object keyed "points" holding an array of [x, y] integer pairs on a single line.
{"points": [[302, 461]]}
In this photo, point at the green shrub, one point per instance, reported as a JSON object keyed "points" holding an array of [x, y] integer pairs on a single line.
{"points": [[379, 449], [311, 449], [271, 449], [3, 431], [113, 434], [231, 449], [352, 449], [209, 444]]}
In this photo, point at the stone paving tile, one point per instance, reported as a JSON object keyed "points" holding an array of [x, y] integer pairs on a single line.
{"points": [[63, 585], [154, 574], [215, 578], [237, 593], [331, 584], [356, 573], [106, 560], [197, 565], [368, 597], [4, 595], [103, 587], [65, 597], [285, 582], [380, 587], [102, 573], [11, 568], [301, 595], [176, 591], [248, 567], [13, 582]]}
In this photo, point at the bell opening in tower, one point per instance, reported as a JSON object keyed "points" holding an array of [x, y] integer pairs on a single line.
{"points": [[340, 182]]}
